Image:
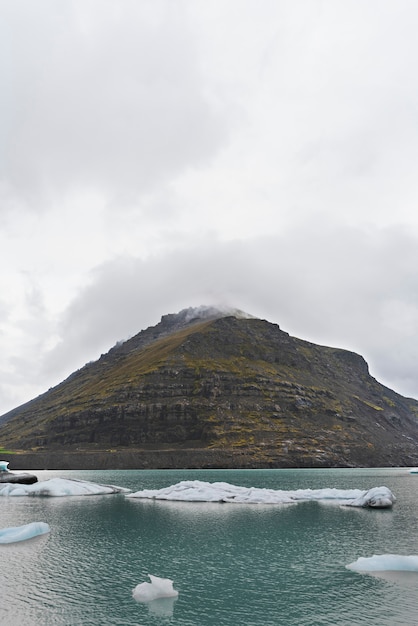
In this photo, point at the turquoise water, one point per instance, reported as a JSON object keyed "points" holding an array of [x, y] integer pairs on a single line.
{"points": [[232, 564]]}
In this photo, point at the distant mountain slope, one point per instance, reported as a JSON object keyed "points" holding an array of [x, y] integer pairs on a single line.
{"points": [[231, 389]]}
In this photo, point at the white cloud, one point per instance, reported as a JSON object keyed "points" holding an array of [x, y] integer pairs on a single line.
{"points": [[108, 98], [322, 283], [160, 155]]}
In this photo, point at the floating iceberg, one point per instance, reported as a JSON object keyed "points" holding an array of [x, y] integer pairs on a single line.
{"points": [[377, 497], [413, 470], [385, 562], [157, 588], [199, 491], [59, 487], [3, 466], [22, 533]]}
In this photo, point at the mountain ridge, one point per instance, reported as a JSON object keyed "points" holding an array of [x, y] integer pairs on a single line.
{"points": [[222, 384]]}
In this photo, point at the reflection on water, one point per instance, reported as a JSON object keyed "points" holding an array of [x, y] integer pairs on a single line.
{"points": [[403, 578], [163, 607], [232, 564]]}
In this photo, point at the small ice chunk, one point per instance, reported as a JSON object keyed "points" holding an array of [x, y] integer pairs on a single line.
{"points": [[3, 466], [59, 487], [157, 588], [22, 533], [385, 562], [413, 470]]}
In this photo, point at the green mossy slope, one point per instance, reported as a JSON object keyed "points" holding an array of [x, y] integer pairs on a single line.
{"points": [[239, 386]]}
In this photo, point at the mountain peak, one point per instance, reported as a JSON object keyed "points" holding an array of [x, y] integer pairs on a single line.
{"points": [[173, 322], [203, 312]]}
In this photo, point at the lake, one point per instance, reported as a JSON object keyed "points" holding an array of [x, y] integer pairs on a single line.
{"points": [[232, 564]]}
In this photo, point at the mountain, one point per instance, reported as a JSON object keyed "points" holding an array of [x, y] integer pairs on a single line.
{"points": [[211, 388]]}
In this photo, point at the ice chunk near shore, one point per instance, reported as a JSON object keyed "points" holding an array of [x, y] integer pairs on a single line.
{"points": [[157, 588], [413, 470], [385, 562], [59, 487], [22, 533], [200, 491], [6, 476]]}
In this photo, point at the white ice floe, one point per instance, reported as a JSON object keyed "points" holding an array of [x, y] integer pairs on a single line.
{"points": [[377, 497], [385, 562], [22, 533], [157, 588], [413, 470], [59, 487], [4, 466], [199, 491]]}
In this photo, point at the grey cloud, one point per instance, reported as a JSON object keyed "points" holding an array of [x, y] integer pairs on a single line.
{"points": [[108, 99], [325, 284], [315, 105], [24, 346]]}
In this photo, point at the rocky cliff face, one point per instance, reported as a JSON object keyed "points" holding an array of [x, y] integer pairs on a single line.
{"points": [[227, 390]]}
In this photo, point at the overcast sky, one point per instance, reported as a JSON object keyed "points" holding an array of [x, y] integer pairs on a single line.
{"points": [[161, 154]]}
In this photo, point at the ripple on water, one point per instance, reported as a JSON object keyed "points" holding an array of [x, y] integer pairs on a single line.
{"points": [[232, 565]]}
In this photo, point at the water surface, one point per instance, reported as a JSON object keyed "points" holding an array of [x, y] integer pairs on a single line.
{"points": [[232, 564]]}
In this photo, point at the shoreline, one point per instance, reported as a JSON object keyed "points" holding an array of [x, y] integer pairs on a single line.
{"points": [[196, 458]]}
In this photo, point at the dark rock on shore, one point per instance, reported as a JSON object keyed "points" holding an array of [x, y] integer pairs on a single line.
{"points": [[23, 479]]}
